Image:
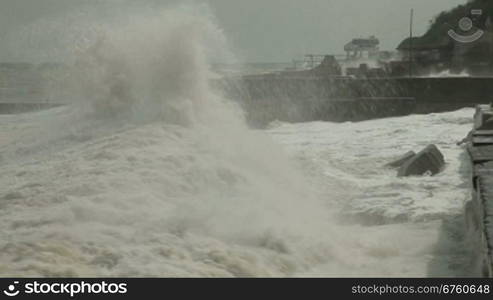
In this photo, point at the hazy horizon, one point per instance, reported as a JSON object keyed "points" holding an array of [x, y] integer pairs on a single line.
{"points": [[139, 157], [259, 31]]}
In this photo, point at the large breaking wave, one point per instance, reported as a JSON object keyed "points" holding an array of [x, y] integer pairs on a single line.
{"points": [[152, 172]]}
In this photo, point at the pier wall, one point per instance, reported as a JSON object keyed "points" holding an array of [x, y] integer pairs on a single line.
{"points": [[20, 107], [27, 87], [479, 210], [337, 98], [438, 94]]}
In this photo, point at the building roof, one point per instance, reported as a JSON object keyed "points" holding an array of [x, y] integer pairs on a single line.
{"points": [[362, 44]]}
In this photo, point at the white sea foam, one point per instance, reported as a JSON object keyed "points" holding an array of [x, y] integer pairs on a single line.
{"points": [[150, 172], [448, 73], [410, 226]]}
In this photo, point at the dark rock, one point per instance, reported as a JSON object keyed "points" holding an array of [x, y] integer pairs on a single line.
{"points": [[429, 159], [401, 160]]}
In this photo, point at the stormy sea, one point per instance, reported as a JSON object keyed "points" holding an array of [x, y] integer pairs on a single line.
{"points": [[149, 170]]}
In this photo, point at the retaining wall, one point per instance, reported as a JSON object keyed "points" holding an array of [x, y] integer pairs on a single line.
{"points": [[338, 98], [480, 209], [16, 107]]}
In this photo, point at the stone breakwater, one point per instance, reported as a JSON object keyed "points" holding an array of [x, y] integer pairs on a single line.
{"points": [[480, 209]]}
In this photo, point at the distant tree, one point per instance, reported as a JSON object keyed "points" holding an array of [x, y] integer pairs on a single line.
{"points": [[452, 16]]}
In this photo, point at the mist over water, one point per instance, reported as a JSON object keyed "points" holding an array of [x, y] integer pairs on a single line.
{"points": [[151, 172]]}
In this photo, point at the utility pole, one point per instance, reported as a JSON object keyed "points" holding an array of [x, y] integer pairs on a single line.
{"points": [[411, 44]]}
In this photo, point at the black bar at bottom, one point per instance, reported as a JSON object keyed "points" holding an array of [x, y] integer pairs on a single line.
{"points": [[154, 288]]}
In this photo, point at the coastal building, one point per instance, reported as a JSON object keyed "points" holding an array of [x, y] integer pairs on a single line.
{"points": [[357, 48]]}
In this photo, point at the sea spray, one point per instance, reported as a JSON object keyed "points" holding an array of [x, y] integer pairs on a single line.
{"points": [[151, 172]]}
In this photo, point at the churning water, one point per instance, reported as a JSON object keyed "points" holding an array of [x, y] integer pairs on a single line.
{"points": [[151, 172]]}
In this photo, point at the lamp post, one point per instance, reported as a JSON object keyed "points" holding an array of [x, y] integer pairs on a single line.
{"points": [[411, 44]]}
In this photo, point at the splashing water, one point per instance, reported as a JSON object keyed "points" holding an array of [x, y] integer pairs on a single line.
{"points": [[151, 172], [448, 73]]}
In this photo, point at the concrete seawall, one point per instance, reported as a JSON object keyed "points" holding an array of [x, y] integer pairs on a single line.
{"points": [[479, 210], [20, 107], [338, 98], [434, 94]]}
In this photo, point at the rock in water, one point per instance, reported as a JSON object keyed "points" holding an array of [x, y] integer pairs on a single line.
{"points": [[429, 159], [401, 160]]}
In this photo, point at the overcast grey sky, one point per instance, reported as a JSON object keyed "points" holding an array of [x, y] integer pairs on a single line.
{"points": [[262, 30]]}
